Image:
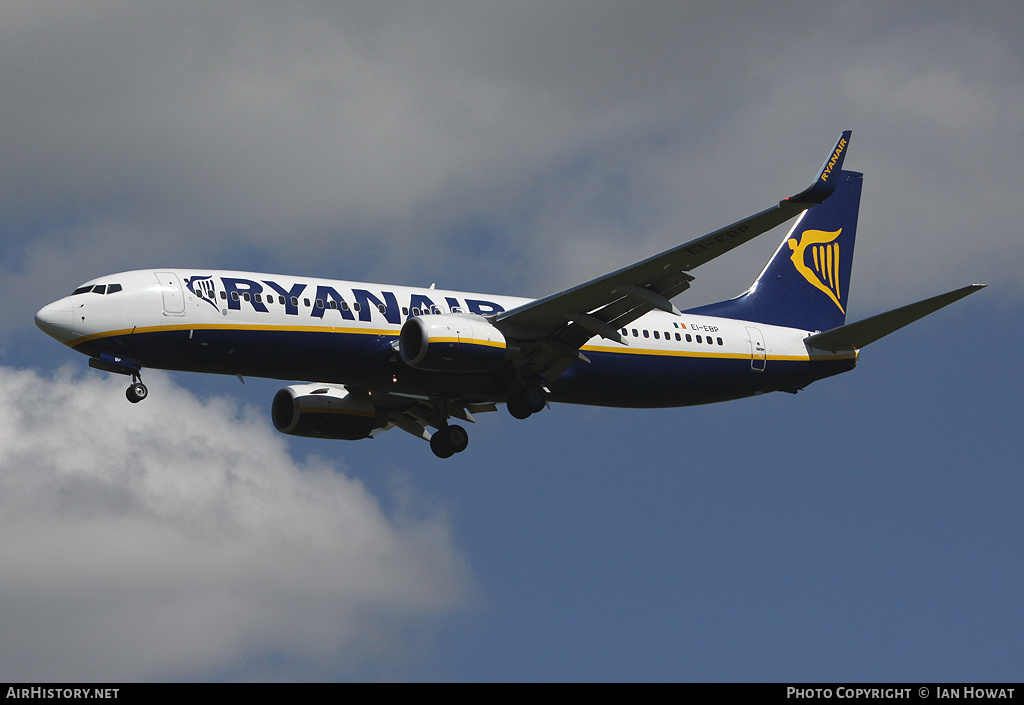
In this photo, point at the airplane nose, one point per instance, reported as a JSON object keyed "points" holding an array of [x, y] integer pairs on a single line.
{"points": [[55, 319]]}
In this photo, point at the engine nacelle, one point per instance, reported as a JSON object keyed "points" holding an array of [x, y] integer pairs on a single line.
{"points": [[451, 343], [324, 411]]}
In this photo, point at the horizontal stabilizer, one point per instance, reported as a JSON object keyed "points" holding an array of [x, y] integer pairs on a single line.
{"points": [[854, 336]]}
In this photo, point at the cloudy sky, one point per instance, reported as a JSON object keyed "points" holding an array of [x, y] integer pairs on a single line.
{"points": [[867, 528]]}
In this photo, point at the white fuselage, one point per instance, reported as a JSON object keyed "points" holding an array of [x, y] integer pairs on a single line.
{"points": [[344, 332]]}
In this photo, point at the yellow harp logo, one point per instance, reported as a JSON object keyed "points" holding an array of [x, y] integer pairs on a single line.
{"points": [[824, 257]]}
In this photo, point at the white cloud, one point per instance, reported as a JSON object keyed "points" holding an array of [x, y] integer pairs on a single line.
{"points": [[177, 539]]}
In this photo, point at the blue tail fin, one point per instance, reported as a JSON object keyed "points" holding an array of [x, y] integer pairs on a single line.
{"points": [[806, 283]]}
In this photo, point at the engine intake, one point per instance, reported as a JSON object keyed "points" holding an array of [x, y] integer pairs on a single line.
{"points": [[451, 343], [325, 411]]}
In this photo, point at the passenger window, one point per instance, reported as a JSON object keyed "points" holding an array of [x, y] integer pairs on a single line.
{"points": [[246, 296], [688, 338], [646, 334], [720, 342], [257, 298], [319, 303], [305, 302], [382, 308], [234, 296], [344, 306], [710, 341], [224, 295], [635, 333], [405, 310], [280, 299], [699, 340], [295, 301], [657, 335], [356, 307], [677, 337]]}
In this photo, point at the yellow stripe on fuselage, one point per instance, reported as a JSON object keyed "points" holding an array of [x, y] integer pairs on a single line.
{"points": [[489, 343], [714, 355], [469, 341], [233, 326]]}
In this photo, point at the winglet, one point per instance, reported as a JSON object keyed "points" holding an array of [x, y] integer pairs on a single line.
{"points": [[825, 183]]}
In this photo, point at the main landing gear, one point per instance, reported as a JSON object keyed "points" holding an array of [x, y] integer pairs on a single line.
{"points": [[527, 400], [449, 440]]}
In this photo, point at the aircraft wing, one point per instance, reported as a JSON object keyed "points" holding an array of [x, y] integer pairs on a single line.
{"points": [[412, 413], [553, 329]]}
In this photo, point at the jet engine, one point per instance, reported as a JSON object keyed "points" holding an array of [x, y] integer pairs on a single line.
{"points": [[451, 343], [325, 411]]}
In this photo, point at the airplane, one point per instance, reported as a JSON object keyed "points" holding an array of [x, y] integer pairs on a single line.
{"points": [[374, 357]]}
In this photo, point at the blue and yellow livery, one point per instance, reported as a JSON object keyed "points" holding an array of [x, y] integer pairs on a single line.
{"points": [[373, 357]]}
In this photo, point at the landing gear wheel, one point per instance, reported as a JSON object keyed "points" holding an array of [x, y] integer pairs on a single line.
{"points": [[457, 438], [448, 441], [533, 397], [136, 392], [516, 409], [528, 400], [440, 446]]}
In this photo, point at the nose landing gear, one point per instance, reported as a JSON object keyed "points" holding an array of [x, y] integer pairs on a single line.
{"points": [[127, 366], [136, 392]]}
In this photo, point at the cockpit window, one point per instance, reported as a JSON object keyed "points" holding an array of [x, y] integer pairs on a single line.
{"points": [[97, 289]]}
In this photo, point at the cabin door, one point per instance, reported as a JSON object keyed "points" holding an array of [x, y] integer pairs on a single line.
{"points": [[174, 298], [758, 351]]}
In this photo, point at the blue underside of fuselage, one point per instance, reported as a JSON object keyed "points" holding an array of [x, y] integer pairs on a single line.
{"points": [[371, 361]]}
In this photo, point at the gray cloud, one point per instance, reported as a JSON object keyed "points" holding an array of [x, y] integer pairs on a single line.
{"points": [[401, 135], [177, 538]]}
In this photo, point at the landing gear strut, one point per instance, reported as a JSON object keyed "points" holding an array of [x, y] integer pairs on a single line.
{"points": [[449, 440]]}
